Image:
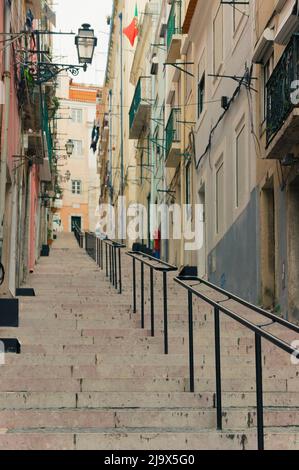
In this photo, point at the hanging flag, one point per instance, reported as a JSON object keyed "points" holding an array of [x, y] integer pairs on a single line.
{"points": [[95, 138], [132, 30]]}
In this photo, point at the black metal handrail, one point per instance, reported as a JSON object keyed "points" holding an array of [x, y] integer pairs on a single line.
{"points": [[256, 329], [79, 235], [90, 245], [157, 265], [109, 253]]}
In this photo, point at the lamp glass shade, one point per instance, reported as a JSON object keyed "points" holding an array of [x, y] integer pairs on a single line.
{"points": [[86, 43], [69, 147]]}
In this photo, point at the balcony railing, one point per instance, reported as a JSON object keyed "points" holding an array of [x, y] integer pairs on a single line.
{"points": [[174, 25], [278, 94], [141, 106], [173, 134], [47, 130]]}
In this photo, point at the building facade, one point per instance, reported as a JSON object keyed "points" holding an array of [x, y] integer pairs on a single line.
{"points": [[209, 120], [27, 127], [78, 118]]}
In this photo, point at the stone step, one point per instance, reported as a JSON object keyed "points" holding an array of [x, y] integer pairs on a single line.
{"points": [[51, 359], [179, 400], [135, 400], [126, 371], [81, 420], [147, 439]]}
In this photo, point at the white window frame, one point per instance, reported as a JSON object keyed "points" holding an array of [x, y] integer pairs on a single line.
{"points": [[77, 115], [77, 151], [76, 187]]}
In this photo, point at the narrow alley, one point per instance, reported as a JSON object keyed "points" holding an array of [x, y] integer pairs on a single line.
{"points": [[89, 378]]}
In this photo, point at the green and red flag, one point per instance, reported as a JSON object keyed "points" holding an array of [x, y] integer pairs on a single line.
{"points": [[132, 30]]}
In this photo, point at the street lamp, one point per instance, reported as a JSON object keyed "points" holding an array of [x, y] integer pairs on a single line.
{"points": [[68, 175], [86, 43], [69, 146], [42, 71]]}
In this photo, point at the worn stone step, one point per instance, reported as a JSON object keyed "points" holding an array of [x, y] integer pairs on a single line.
{"points": [[133, 370], [182, 384], [51, 359], [151, 418], [40, 384], [187, 439]]}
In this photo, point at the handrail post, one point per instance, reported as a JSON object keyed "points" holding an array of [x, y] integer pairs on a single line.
{"points": [[119, 270], [110, 264], [218, 368], [259, 391], [97, 251], [100, 253], [165, 312], [191, 341], [115, 268], [142, 295], [134, 286], [152, 302], [106, 250]]}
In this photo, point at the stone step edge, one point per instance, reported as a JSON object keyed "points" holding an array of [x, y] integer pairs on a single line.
{"points": [[126, 430]]}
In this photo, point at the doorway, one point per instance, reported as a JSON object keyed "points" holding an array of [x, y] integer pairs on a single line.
{"points": [[268, 236], [293, 249], [202, 253], [76, 221]]}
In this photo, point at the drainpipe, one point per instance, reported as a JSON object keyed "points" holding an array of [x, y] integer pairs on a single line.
{"points": [[182, 169], [4, 155]]}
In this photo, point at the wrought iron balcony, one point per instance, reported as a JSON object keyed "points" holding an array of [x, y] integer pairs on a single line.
{"points": [[174, 31], [282, 113], [141, 107], [47, 132], [173, 139]]}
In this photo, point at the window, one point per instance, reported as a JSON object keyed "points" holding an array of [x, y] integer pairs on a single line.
{"points": [[76, 187], [100, 97], [201, 95], [220, 197], [77, 115], [189, 78], [267, 72], [240, 164], [78, 148], [218, 40], [156, 144]]}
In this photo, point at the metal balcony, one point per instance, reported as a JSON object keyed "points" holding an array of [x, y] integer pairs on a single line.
{"points": [[173, 139], [282, 113], [174, 32], [141, 107]]}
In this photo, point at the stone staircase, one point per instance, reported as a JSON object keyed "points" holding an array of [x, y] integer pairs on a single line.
{"points": [[88, 377]]}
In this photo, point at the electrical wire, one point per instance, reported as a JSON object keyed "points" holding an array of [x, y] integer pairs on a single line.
{"points": [[11, 42]]}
